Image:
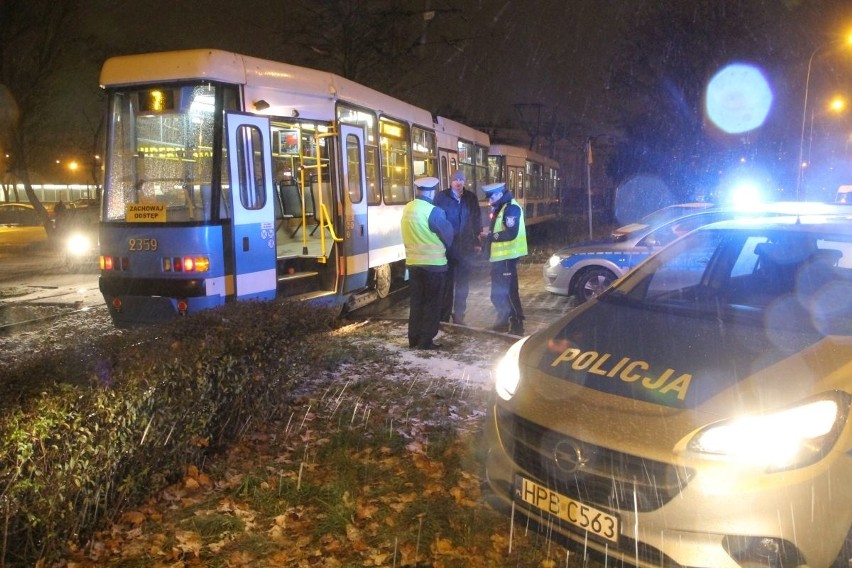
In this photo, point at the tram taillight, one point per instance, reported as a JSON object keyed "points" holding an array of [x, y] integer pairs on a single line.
{"points": [[186, 264], [114, 262]]}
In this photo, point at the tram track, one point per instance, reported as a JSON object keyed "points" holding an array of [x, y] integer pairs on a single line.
{"points": [[29, 317]]}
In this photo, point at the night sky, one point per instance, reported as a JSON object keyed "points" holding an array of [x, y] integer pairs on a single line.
{"points": [[481, 62]]}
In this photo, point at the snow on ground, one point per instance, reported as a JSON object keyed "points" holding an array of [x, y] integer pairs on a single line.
{"points": [[466, 356]]}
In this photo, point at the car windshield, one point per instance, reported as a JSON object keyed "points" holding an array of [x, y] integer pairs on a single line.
{"points": [[734, 272]]}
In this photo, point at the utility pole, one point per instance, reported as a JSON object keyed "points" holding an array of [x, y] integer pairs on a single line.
{"points": [[589, 181]]}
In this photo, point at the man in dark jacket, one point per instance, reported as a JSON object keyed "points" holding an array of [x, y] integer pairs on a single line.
{"points": [[462, 209]]}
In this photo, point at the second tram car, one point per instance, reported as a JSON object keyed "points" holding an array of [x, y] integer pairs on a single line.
{"points": [[532, 178], [230, 177]]}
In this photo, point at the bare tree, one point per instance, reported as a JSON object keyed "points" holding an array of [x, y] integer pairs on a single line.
{"points": [[379, 43], [32, 32]]}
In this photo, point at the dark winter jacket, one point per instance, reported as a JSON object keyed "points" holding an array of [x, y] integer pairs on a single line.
{"points": [[463, 214]]}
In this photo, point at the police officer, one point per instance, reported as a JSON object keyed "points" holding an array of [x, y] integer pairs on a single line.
{"points": [[507, 243], [462, 209], [427, 235]]}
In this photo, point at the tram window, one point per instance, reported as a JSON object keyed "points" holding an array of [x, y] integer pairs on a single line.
{"points": [[250, 167], [353, 163], [480, 167], [396, 157], [424, 152], [367, 120], [374, 191], [534, 177]]}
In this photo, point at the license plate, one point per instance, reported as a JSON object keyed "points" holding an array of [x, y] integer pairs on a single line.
{"points": [[586, 517]]}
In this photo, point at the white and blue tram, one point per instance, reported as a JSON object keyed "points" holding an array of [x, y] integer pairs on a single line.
{"points": [[532, 177], [229, 178]]}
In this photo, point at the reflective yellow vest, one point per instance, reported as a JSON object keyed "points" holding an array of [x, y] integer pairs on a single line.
{"points": [[517, 247], [422, 246]]}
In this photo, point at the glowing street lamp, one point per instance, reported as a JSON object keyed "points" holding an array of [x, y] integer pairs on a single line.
{"points": [[847, 41], [835, 106]]}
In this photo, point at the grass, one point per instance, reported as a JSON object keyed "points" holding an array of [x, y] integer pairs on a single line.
{"points": [[382, 469]]}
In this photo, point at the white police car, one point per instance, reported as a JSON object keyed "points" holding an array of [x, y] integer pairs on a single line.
{"points": [[584, 270], [697, 413]]}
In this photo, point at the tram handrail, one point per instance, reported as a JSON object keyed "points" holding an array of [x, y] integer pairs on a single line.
{"points": [[326, 218]]}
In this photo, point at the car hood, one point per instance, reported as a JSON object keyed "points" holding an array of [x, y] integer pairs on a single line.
{"points": [[630, 378], [602, 245], [720, 364]]}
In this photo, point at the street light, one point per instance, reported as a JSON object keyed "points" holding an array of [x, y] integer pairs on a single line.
{"points": [[837, 105], [848, 41]]}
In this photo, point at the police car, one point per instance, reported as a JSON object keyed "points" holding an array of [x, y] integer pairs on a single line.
{"points": [[697, 413], [584, 270]]}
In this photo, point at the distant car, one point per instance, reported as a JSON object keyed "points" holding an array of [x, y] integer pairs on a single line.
{"points": [[77, 230], [661, 216], [586, 269], [20, 224], [19, 214], [698, 412], [85, 202]]}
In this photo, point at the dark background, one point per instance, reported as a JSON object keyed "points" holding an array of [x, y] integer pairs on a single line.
{"points": [[549, 74]]}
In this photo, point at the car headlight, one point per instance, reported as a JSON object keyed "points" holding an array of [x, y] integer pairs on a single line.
{"points": [[78, 244], [554, 260], [507, 374], [787, 439]]}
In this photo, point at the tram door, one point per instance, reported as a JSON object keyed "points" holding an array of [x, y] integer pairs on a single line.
{"points": [[449, 163], [356, 242], [515, 183], [251, 183]]}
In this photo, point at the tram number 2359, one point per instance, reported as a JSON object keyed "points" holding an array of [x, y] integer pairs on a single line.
{"points": [[139, 245]]}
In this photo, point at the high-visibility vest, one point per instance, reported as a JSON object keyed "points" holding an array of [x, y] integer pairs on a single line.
{"points": [[517, 247], [422, 246]]}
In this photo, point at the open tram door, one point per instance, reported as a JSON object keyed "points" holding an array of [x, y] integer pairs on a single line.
{"points": [[355, 234], [448, 164], [253, 206]]}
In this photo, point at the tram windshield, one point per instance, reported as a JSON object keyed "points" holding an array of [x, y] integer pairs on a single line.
{"points": [[160, 166]]}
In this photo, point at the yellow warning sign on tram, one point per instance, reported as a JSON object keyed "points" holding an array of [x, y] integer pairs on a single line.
{"points": [[146, 212]]}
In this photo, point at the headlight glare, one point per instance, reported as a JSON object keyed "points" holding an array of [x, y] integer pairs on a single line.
{"points": [[507, 374], [554, 260], [78, 244], [790, 438]]}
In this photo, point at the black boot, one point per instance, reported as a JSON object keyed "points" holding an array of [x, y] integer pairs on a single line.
{"points": [[516, 326]]}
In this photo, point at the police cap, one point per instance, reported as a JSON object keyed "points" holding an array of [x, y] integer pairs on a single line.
{"points": [[492, 187], [426, 183]]}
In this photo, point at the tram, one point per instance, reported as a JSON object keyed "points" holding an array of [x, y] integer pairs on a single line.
{"points": [[532, 178], [230, 178]]}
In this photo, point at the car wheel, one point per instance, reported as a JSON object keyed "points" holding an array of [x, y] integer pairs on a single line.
{"points": [[592, 282]]}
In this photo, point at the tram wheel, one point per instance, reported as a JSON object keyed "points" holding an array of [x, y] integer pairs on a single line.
{"points": [[382, 280]]}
